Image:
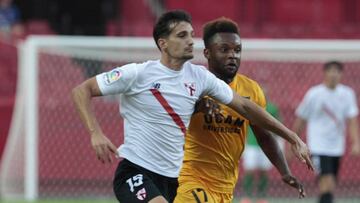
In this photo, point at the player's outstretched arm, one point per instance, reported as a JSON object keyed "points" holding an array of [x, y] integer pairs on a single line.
{"points": [[81, 96], [263, 119], [271, 148]]}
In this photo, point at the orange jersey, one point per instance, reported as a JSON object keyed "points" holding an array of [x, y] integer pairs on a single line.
{"points": [[214, 144]]}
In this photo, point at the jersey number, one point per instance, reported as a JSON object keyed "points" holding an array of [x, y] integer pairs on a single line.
{"points": [[135, 181], [197, 198]]}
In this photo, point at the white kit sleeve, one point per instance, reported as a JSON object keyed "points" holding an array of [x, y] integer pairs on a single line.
{"points": [[305, 107], [217, 89], [118, 80]]}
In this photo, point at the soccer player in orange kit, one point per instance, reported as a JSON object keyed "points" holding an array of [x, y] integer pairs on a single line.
{"points": [[215, 141]]}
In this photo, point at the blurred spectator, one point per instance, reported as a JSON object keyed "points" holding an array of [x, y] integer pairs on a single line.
{"points": [[10, 24], [83, 17], [157, 7], [86, 18], [327, 108]]}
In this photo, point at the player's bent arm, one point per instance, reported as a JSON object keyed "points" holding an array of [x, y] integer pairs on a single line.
{"points": [[259, 117], [81, 96], [272, 150]]}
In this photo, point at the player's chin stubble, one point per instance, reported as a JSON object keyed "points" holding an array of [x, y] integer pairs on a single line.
{"points": [[188, 56]]}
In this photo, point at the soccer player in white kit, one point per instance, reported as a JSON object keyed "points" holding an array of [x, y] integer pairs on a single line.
{"points": [[157, 100], [326, 108]]}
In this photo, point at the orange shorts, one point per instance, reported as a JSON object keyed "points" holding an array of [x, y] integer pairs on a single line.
{"points": [[192, 191]]}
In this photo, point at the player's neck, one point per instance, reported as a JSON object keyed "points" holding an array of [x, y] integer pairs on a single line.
{"points": [[330, 85], [227, 80], [172, 63]]}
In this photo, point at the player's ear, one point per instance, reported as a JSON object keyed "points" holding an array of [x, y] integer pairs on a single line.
{"points": [[206, 53], [162, 43]]}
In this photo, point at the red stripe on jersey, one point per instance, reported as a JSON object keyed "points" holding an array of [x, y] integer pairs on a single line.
{"points": [[176, 118], [331, 115]]}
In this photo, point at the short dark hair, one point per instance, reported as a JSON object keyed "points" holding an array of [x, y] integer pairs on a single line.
{"points": [[338, 65], [162, 26], [221, 24]]}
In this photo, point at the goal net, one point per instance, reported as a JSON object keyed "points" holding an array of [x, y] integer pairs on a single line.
{"points": [[48, 152]]}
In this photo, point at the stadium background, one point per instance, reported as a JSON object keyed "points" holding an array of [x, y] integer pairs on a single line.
{"points": [[69, 175]]}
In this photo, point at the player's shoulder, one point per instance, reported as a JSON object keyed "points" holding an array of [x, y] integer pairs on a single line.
{"points": [[246, 82], [195, 67], [135, 65], [248, 87], [143, 67], [197, 71], [140, 71], [316, 89], [245, 79], [146, 64], [346, 88]]}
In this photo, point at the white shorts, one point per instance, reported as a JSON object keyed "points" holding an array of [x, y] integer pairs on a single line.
{"points": [[255, 159]]}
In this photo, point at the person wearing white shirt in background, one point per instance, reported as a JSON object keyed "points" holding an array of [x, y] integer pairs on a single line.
{"points": [[326, 109], [157, 101]]}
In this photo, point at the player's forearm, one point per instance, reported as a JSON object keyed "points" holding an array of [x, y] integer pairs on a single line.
{"points": [[299, 125], [261, 118], [81, 96], [272, 150], [354, 130]]}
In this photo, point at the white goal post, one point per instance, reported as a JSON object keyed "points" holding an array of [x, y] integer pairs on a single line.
{"points": [[20, 166]]}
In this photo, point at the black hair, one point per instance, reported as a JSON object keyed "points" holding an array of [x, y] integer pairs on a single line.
{"points": [[163, 27], [338, 65], [221, 24]]}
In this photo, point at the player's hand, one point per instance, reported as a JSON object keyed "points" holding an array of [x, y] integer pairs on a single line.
{"points": [[208, 106], [103, 147], [293, 182], [302, 152]]}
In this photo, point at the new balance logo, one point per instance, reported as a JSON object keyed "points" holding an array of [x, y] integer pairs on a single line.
{"points": [[156, 86]]}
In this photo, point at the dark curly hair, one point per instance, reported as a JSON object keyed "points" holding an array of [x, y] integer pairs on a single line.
{"points": [[218, 25]]}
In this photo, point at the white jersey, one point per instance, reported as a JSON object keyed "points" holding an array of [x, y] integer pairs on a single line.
{"points": [[156, 104], [326, 111]]}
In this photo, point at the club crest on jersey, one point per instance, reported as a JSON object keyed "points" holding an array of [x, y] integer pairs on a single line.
{"points": [[112, 76], [141, 194], [190, 87]]}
